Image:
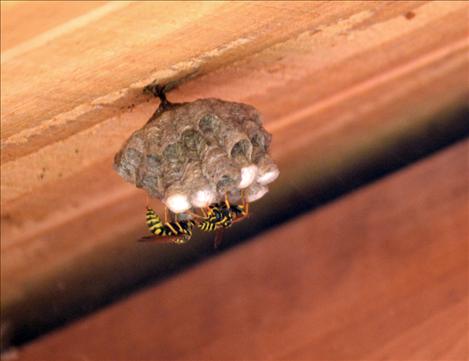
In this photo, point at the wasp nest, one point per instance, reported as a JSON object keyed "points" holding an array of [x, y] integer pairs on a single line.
{"points": [[192, 154]]}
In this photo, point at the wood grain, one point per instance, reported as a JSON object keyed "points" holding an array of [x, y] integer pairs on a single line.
{"points": [[381, 274], [336, 83], [21, 23]]}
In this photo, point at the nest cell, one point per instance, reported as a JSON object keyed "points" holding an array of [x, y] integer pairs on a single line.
{"points": [[192, 154]]}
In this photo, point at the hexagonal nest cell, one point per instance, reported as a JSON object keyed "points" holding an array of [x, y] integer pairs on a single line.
{"points": [[192, 154]]}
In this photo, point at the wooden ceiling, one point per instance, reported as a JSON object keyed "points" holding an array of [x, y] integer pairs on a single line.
{"points": [[338, 84]]}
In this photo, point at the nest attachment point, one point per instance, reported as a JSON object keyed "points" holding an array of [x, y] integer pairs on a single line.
{"points": [[192, 154]]}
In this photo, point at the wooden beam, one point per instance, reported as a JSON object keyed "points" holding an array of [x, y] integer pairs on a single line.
{"points": [[380, 274], [335, 82]]}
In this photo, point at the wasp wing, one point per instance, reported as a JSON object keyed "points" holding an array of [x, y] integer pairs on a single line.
{"points": [[239, 219], [161, 239], [218, 237]]}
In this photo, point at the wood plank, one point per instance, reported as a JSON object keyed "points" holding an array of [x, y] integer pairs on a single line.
{"points": [[379, 274], [68, 75], [22, 21], [345, 81]]}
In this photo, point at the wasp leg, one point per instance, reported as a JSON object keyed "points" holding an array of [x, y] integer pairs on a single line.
{"points": [[207, 212], [245, 207], [227, 202], [165, 214], [245, 204], [203, 212]]}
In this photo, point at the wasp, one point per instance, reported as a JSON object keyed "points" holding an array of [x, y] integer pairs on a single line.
{"points": [[177, 231], [222, 215], [214, 218]]}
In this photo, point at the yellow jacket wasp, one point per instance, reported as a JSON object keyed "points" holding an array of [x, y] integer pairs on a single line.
{"points": [[214, 218], [177, 231]]}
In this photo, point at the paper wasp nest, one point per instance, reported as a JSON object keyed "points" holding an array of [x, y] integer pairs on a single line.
{"points": [[192, 154]]}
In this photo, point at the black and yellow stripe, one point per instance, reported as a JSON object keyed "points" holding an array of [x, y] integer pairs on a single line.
{"points": [[218, 216], [208, 225], [157, 227], [237, 210]]}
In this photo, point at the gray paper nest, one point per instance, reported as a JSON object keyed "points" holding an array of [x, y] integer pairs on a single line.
{"points": [[192, 154]]}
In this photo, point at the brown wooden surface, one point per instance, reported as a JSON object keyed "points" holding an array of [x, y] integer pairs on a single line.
{"points": [[336, 83], [381, 274]]}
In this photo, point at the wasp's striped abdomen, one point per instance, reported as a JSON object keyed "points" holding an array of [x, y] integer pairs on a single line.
{"points": [[154, 222], [207, 225], [217, 217], [157, 227]]}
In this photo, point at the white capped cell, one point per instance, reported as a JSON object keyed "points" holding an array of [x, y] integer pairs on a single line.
{"points": [[203, 198], [268, 171], [255, 192], [248, 175], [178, 202], [269, 176]]}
